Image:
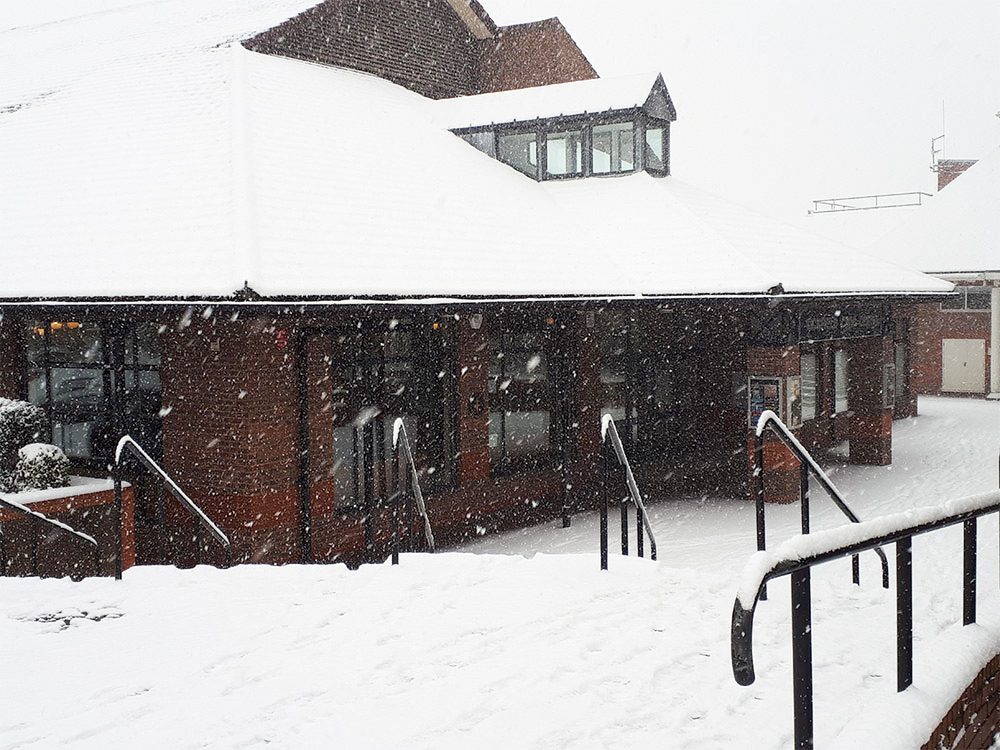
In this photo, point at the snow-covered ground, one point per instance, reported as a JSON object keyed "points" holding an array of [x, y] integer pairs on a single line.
{"points": [[498, 650]]}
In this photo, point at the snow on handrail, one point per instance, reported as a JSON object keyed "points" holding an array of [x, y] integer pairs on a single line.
{"points": [[806, 550], [608, 428], [6, 502], [769, 419], [175, 490], [399, 430]]}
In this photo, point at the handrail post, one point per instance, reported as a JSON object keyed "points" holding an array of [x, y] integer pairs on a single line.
{"points": [[395, 504], [639, 537], [758, 492], [624, 514], [116, 473], [802, 659], [804, 495], [904, 614], [969, 572], [604, 507]]}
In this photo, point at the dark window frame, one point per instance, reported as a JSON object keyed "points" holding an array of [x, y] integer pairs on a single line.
{"points": [[541, 128], [503, 400], [108, 331]]}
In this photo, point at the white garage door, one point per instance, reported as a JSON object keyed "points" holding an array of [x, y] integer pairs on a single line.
{"points": [[963, 366]]}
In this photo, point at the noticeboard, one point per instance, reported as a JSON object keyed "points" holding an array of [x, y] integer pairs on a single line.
{"points": [[763, 394]]}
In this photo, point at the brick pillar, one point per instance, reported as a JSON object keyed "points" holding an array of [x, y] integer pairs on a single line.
{"points": [[781, 466], [870, 429], [474, 355], [584, 428], [231, 434], [12, 361]]}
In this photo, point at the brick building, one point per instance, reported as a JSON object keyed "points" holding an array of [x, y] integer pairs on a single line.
{"points": [[956, 236], [355, 211]]}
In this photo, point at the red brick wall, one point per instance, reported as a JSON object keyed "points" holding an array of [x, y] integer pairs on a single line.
{"points": [[230, 434], [974, 720], [931, 325], [782, 468], [870, 430], [949, 169], [60, 555], [532, 54]]}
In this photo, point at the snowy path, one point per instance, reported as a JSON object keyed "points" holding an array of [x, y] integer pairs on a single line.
{"points": [[457, 650], [950, 450]]}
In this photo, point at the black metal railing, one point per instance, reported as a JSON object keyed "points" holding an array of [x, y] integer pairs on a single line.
{"points": [[203, 522], [612, 445], [51, 523], [798, 555], [406, 492], [769, 420]]}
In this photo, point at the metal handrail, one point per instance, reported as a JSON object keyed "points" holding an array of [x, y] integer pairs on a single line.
{"points": [[192, 508], [399, 431], [799, 554], [768, 419], [6, 502], [608, 428]]}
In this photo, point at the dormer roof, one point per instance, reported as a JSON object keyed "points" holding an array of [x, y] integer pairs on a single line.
{"points": [[645, 91]]}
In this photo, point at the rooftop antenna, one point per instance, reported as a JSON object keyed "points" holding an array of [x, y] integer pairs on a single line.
{"points": [[937, 145]]}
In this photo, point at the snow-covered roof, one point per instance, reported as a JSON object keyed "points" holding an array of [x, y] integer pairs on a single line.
{"points": [[956, 232], [148, 154], [540, 102]]}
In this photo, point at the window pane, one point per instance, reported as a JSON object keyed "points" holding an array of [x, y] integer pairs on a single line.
{"points": [[978, 297], [807, 365], [344, 458], [901, 368], [956, 302], [484, 140], [520, 150], [840, 380], [72, 342], [147, 337], [614, 148], [78, 419], [654, 149], [496, 437], [37, 393], [526, 432], [564, 153], [34, 342]]}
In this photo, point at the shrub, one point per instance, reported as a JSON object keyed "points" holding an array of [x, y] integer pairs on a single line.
{"points": [[40, 466], [21, 423]]}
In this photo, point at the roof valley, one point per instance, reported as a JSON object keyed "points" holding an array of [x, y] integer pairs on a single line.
{"points": [[245, 250]]}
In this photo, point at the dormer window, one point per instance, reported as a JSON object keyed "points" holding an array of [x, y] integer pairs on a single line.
{"points": [[615, 141]]}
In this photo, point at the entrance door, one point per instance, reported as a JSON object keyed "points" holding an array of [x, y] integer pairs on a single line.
{"points": [[361, 380], [963, 366]]}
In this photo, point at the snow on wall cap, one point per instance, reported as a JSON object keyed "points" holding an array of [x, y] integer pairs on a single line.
{"points": [[35, 450]]}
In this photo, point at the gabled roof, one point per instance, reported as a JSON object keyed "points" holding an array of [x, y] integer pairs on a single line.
{"points": [[956, 232], [151, 155], [644, 90]]}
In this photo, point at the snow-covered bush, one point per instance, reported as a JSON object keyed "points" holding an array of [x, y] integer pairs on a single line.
{"points": [[40, 466], [21, 423]]}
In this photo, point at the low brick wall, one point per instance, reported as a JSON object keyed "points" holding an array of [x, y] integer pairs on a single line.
{"points": [[974, 720], [30, 547]]}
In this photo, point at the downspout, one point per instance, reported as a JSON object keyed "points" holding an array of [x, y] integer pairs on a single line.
{"points": [[995, 343]]}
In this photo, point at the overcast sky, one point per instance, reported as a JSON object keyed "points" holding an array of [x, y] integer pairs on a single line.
{"points": [[782, 102]]}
